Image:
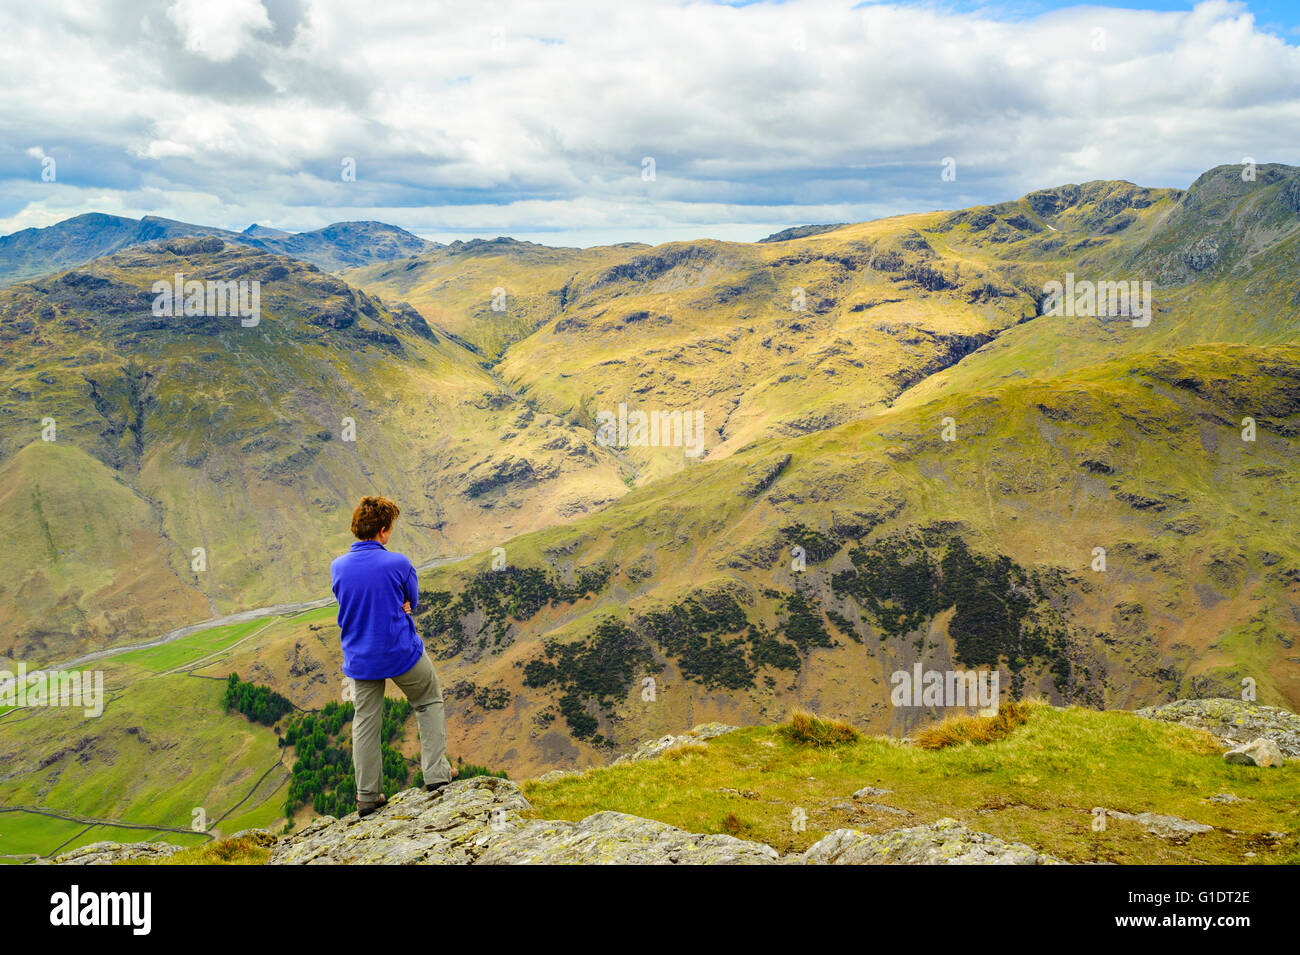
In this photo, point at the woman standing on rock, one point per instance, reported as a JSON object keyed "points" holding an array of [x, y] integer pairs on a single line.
{"points": [[377, 592]]}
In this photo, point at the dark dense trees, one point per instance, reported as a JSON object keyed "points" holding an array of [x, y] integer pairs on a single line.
{"points": [[694, 633], [500, 595], [902, 586], [895, 580], [322, 772], [598, 670], [709, 637], [803, 625], [260, 704]]}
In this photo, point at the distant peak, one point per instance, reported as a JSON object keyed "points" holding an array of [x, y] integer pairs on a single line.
{"points": [[802, 232]]}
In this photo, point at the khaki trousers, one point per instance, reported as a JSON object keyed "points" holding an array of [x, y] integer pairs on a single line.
{"points": [[420, 684]]}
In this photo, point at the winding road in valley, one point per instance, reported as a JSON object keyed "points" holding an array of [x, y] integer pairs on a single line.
{"points": [[242, 616]]}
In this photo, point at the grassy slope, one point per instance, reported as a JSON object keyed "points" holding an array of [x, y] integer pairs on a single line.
{"points": [[1037, 786], [94, 559], [454, 287]]}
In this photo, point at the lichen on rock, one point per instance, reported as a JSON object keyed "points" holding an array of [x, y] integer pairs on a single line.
{"points": [[1233, 722]]}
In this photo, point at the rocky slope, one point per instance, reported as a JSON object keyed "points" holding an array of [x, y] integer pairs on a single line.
{"points": [[481, 821]]}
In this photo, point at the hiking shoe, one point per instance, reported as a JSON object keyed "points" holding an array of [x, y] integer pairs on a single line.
{"points": [[434, 787], [366, 808]]}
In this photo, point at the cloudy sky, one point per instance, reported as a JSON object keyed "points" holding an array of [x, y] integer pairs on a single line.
{"points": [[579, 123]]}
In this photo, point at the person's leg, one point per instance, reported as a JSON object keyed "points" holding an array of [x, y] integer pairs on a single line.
{"points": [[367, 763], [420, 684]]}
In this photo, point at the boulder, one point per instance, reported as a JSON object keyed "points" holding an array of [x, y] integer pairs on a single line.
{"points": [[452, 825], [1259, 752], [866, 791], [619, 839]]}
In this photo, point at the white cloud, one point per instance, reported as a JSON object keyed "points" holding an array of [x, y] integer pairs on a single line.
{"points": [[218, 30], [524, 117]]}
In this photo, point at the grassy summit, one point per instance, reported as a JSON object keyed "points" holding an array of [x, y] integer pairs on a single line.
{"points": [[1039, 785]]}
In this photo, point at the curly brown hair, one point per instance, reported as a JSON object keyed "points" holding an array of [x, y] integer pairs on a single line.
{"points": [[372, 515]]}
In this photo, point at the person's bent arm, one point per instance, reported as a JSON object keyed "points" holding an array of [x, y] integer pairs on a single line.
{"points": [[411, 588]]}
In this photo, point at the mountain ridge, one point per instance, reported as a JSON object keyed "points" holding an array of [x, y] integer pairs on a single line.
{"points": [[30, 253]]}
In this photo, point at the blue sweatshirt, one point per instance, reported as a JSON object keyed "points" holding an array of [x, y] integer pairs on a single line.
{"points": [[379, 637]]}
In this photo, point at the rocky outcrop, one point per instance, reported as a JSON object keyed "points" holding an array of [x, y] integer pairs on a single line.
{"points": [[1226, 799], [946, 842], [481, 821], [657, 747], [489, 475], [1166, 827], [1233, 722], [762, 474], [617, 838], [1202, 254], [802, 232], [111, 853]]}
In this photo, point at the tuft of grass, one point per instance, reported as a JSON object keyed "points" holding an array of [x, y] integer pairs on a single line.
{"points": [[252, 849], [682, 750], [809, 729], [956, 730]]}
